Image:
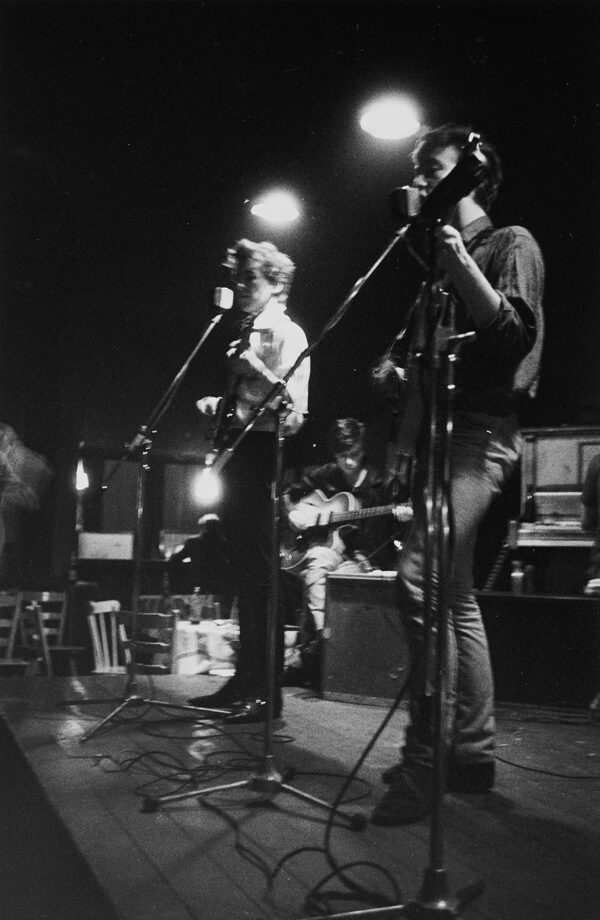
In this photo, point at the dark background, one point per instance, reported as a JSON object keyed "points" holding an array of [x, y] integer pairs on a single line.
{"points": [[134, 135]]}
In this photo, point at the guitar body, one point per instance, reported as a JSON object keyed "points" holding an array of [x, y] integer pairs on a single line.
{"points": [[292, 551], [320, 514], [294, 545], [293, 548], [325, 508]]}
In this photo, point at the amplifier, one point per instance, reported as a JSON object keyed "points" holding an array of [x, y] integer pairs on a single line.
{"points": [[365, 652], [545, 649]]}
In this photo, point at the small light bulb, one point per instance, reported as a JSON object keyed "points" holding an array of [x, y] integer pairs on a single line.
{"points": [[82, 481], [207, 487]]}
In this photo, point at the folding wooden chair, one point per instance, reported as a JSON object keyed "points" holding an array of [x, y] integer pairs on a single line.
{"points": [[106, 636], [150, 641], [48, 611], [10, 615]]}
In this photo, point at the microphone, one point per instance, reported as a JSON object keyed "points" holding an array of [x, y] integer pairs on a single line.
{"points": [[466, 176], [223, 298]]}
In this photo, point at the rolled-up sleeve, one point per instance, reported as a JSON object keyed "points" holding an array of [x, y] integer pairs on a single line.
{"points": [[512, 343], [516, 271]]}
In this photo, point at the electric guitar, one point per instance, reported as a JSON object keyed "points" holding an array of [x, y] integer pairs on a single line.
{"points": [[317, 511]]}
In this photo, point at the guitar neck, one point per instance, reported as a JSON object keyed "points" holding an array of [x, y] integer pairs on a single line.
{"points": [[361, 513]]}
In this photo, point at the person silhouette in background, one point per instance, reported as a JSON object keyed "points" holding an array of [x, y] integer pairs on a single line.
{"points": [[203, 561], [24, 477]]}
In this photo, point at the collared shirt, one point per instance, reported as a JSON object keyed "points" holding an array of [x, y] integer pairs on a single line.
{"points": [[330, 480], [501, 365], [278, 342]]}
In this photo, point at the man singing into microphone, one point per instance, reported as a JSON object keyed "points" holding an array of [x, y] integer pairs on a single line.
{"points": [[269, 344], [495, 279]]}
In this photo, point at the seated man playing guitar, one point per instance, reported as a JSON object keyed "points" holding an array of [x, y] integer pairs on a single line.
{"points": [[338, 521]]}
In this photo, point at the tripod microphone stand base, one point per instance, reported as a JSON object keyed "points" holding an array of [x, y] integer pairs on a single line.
{"points": [[435, 900], [135, 700], [269, 782], [433, 903]]}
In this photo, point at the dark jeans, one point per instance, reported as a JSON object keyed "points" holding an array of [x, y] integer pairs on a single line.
{"points": [[246, 513]]}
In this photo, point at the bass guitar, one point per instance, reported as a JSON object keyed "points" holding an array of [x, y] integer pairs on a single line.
{"points": [[317, 511]]}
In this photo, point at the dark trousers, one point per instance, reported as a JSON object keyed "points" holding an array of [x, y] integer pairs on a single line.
{"points": [[247, 514]]}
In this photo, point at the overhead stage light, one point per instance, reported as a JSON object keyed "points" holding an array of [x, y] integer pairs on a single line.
{"points": [[276, 208], [390, 118]]}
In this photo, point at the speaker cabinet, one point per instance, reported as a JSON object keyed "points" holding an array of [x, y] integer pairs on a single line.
{"points": [[365, 655], [545, 649]]}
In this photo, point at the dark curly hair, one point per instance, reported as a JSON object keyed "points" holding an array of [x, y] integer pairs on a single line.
{"points": [[453, 135], [276, 267], [345, 434]]}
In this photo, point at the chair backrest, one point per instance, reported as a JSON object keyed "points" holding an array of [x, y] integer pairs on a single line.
{"points": [[149, 639], [52, 610], [33, 635], [103, 622], [10, 614]]}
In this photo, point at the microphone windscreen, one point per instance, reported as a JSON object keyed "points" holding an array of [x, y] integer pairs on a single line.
{"points": [[223, 298]]}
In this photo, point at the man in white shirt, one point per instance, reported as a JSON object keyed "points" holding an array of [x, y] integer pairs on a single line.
{"points": [[268, 346]]}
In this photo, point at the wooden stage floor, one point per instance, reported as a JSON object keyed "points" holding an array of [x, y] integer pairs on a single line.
{"points": [[77, 842]]}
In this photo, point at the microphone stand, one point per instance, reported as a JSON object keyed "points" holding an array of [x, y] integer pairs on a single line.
{"points": [[268, 780], [435, 901], [141, 446], [440, 355]]}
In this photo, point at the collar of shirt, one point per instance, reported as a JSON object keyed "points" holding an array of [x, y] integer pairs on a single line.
{"points": [[360, 478], [274, 313], [476, 227]]}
